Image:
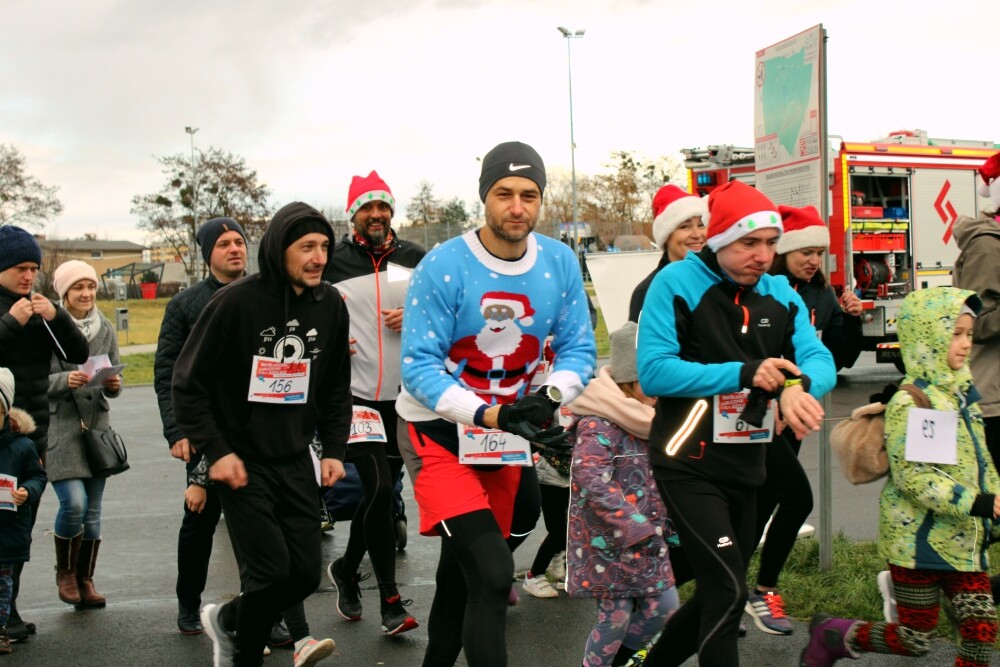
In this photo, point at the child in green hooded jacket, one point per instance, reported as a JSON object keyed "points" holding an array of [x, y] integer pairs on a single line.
{"points": [[938, 510]]}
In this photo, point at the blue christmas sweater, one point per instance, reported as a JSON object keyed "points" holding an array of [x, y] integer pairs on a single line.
{"points": [[474, 327]]}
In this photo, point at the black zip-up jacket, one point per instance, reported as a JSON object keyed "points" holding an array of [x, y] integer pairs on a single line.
{"points": [[840, 332], [27, 351], [262, 315]]}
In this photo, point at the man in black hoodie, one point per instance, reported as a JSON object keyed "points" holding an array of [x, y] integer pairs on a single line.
{"points": [[267, 366]]}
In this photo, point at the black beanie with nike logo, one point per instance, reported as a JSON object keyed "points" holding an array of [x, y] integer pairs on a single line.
{"points": [[511, 158]]}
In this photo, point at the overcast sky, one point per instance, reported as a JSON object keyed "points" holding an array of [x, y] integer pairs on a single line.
{"points": [[310, 92]]}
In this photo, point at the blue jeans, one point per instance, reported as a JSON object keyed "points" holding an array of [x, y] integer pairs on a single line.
{"points": [[79, 507]]}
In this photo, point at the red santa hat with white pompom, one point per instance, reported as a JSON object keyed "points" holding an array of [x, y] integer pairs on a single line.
{"points": [[518, 303], [990, 173]]}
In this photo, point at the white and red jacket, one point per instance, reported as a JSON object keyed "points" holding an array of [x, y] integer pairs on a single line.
{"points": [[371, 283]]}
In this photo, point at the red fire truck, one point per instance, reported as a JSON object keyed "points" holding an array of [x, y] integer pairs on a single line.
{"points": [[893, 203]]}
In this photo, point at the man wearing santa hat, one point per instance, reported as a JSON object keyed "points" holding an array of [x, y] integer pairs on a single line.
{"points": [[371, 267], [466, 383], [714, 326]]}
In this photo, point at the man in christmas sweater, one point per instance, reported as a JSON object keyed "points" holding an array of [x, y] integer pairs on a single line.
{"points": [[463, 380]]}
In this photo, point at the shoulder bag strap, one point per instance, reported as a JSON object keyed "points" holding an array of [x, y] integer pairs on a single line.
{"points": [[919, 397], [76, 404]]}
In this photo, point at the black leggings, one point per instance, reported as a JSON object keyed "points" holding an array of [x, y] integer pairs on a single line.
{"points": [[470, 602], [372, 528], [555, 507], [787, 488], [715, 525], [527, 507]]}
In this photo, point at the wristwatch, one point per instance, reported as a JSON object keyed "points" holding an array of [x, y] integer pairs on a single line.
{"points": [[552, 393]]}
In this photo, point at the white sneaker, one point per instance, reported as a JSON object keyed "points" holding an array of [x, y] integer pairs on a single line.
{"points": [[557, 568], [888, 592], [539, 587], [223, 643], [313, 651]]}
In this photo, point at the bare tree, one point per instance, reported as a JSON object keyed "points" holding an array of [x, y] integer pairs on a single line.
{"points": [[424, 208], [221, 185], [24, 200]]}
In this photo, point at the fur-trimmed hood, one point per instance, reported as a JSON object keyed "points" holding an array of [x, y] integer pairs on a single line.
{"points": [[21, 422]]}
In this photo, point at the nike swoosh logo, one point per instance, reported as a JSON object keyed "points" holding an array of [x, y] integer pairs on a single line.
{"points": [[518, 167]]}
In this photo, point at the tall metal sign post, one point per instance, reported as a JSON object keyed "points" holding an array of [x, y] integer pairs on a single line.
{"points": [[791, 147]]}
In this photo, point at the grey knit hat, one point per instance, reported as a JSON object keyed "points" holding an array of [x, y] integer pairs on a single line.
{"points": [[6, 389], [623, 341]]}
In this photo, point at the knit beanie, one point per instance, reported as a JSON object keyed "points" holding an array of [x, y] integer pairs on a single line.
{"points": [[802, 228], [671, 207], [211, 230], [990, 187], [368, 189], [735, 210], [511, 158], [17, 246], [303, 227], [68, 273], [6, 389], [623, 356]]}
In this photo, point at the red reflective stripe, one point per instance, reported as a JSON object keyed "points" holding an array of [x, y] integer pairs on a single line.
{"points": [[378, 316], [746, 313]]}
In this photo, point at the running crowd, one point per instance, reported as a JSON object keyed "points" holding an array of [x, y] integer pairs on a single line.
{"points": [[474, 366]]}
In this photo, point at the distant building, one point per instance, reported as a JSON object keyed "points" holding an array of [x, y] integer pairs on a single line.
{"points": [[161, 251], [100, 254]]}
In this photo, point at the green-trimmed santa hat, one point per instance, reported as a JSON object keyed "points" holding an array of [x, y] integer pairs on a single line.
{"points": [[368, 189]]}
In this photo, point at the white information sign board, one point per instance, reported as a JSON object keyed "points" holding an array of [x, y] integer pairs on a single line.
{"points": [[789, 123]]}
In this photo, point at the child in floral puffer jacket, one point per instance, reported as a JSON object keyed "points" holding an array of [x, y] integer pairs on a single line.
{"points": [[618, 529], [940, 504]]}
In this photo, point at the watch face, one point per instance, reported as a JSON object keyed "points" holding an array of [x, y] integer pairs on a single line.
{"points": [[553, 394]]}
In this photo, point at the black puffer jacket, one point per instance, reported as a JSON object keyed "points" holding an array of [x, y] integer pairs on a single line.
{"points": [[178, 321], [27, 351]]}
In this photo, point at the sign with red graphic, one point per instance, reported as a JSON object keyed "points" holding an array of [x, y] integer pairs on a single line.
{"points": [[945, 211]]}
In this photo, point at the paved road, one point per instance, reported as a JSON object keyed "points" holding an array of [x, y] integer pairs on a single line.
{"points": [[142, 511]]}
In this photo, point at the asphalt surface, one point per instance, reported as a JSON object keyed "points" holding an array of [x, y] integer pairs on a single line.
{"points": [[137, 571]]}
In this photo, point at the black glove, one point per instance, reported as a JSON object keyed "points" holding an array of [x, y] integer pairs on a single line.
{"points": [[533, 408], [531, 418]]}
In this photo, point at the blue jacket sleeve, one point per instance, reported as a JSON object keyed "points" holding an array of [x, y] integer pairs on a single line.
{"points": [[662, 372], [573, 340]]}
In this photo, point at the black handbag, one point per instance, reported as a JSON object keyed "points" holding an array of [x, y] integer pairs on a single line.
{"points": [[105, 450]]}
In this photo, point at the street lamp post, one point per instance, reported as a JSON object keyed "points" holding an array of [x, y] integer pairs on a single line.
{"points": [[570, 35], [192, 241]]}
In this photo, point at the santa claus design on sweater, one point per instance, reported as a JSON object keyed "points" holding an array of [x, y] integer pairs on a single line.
{"points": [[500, 359]]}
